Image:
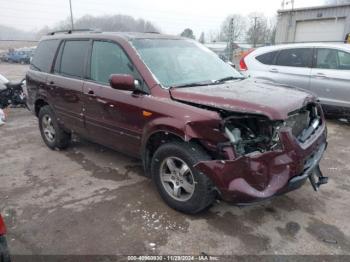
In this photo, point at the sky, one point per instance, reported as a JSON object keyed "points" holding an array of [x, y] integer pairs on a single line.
{"points": [[170, 16]]}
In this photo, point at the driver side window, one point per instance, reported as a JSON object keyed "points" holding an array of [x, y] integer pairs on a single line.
{"points": [[108, 58]]}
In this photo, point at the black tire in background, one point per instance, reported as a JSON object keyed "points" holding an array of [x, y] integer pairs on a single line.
{"points": [[190, 153], [4, 252], [61, 139]]}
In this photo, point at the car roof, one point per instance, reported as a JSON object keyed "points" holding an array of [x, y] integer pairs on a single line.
{"points": [[265, 49], [109, 35]]}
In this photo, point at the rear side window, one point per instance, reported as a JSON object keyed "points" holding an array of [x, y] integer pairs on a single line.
{"points": [[108, 58], [268, 58], [44, 55], [74, 57], [298, 57]]}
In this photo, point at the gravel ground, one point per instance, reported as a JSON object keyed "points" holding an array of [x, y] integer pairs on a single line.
{"points": [[91, 200]]}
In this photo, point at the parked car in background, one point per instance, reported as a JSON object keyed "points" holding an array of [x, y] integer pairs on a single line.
{"points": [[22, 57], [321, 68], [201, 130], [4, 252]]}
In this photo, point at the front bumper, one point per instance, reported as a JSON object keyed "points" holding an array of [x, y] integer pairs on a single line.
{"points": [[260, 176]]}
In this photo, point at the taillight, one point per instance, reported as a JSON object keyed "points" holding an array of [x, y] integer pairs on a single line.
{"points": [[2, 227], [242, 64]]}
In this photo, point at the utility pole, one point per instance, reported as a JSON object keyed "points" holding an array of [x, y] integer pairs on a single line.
{"points": [[230, 40], [71, 15]]}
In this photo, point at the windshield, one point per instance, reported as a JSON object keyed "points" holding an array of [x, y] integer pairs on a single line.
{"points": [[183, 62]]}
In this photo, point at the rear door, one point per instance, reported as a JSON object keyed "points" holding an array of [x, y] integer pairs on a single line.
{"points": [[260, 65], [331, 76], [293, 67], [113, 117], [66, 83], [40, 68]]}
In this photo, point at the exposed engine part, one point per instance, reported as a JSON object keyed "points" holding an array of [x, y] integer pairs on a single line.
{"points": [[304, 122], [252, 134]]}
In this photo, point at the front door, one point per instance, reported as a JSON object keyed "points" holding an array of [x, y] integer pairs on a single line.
{"points": [[113, 117]]}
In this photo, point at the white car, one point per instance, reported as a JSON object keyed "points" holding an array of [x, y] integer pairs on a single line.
{"points": [[322, 68]]}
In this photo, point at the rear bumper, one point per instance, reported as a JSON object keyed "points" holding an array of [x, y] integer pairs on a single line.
{"points": [[257, 177]]}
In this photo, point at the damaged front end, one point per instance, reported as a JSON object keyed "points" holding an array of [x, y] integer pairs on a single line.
{"points": [[251, 134], [266, 158]]}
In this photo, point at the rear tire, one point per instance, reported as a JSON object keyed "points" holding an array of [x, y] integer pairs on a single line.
{"points": [[179, 184], [53, 135]]}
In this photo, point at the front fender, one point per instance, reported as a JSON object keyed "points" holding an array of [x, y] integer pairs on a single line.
{"points": [[208, 131], [164, 124]]}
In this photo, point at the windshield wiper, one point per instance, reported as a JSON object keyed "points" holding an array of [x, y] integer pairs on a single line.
{"points": [[204, 83], [228, 78], [209, 82]]}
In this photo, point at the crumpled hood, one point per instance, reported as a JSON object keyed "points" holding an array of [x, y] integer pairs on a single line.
{"points": [[247, 96]]}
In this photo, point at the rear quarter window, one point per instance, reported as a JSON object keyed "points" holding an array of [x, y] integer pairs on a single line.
{"points": [[267, 58], [44, 55]]}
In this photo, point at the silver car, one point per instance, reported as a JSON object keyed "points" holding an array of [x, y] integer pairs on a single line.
{"points": [[321, 68]]}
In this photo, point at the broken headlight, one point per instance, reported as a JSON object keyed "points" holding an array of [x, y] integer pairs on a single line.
{"points": [[248, 134]]}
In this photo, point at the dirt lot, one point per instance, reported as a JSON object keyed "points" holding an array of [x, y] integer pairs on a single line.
{"points": [[91, 200]]}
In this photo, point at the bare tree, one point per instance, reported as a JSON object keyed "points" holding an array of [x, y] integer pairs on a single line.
{"points": [[336, 2], [112, 23], [188, 32], [10, 33], [233, 28], [272, 28], [213, 36], [258, 32]]}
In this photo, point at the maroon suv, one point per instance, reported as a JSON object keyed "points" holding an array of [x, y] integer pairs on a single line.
{"points": [[200, 128]]}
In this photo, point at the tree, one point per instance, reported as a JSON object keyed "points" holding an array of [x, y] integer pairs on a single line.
{"points": [[337, 2], [272, 30], [232, 27], [213, 35], [188, 33], [202, 38], [111, 23], [258, 32]]}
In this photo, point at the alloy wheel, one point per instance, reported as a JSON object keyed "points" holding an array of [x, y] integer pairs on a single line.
{"points": [[177, 178]]}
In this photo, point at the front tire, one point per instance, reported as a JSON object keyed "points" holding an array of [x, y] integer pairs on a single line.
{"points": [[53, 135], [179, 184]]}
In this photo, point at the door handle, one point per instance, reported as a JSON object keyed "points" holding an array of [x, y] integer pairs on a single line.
{"points": [[51, 83], [274, 70]]}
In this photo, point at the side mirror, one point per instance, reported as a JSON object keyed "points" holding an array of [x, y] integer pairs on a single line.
{"points": [[122, 82]]}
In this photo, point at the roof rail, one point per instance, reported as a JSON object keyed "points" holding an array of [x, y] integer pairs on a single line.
{"points": [[70, 31]]}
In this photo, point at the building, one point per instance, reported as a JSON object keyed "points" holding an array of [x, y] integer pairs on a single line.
{"points": [[313, 24], [220, 48]]}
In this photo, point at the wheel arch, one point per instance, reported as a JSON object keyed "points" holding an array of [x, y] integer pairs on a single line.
{"points": [[157, 138], [39, 103]]}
